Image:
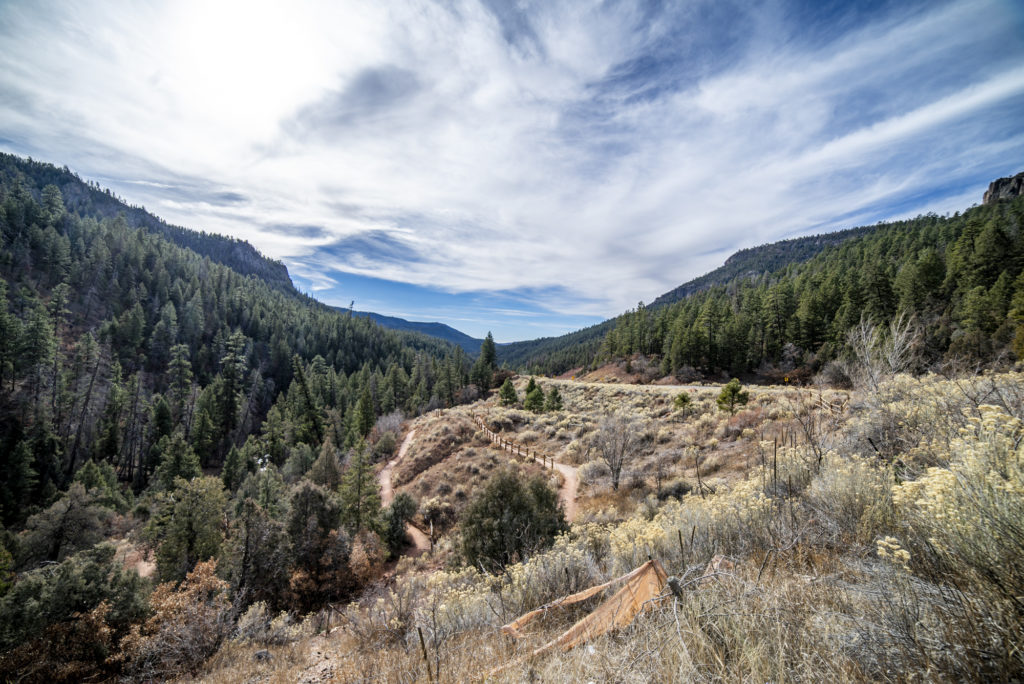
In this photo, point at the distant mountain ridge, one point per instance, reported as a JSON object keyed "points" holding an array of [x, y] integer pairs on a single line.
{"points": [[440, 330]]}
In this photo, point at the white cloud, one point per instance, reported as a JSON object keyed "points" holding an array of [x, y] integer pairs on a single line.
{"points": [[497, 149]]}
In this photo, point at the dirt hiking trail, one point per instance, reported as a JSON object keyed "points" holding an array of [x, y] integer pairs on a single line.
{"points": [[567, 492], [387, 495]]}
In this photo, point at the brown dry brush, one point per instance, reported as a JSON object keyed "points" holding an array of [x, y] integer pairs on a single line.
{"points": [[187, 626], [809, 596]]}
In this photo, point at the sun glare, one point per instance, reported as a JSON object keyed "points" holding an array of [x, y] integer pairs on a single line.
{"points": [[243, 64]]}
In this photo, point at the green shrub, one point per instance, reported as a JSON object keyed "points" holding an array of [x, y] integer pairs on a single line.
{"points": [[534, 400], [509, 520], [732, 396], [385, 446], [401, 511], [55, 593]]}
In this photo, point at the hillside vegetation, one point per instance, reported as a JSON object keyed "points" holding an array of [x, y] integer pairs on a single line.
{"points": [[833, 561], [182, 410], [89, 200], [785, 309], [195, 459]]}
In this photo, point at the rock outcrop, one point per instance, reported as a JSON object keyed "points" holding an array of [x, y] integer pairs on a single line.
{"points": [[1004, 188]]}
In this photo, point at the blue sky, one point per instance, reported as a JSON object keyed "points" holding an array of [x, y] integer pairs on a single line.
{"points": [[522, 167]]}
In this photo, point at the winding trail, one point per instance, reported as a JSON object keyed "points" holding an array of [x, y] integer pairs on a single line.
{"points": [[420, 541], [570, 478], [567, 492]]}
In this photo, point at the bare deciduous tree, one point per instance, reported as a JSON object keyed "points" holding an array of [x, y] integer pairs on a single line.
{"points": [[882, 354], [618, 439], [390, 422]]}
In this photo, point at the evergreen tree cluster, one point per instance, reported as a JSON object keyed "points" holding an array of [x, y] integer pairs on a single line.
{"points": [[119, 346], [534, 397], [959, 276], [239, 418]]}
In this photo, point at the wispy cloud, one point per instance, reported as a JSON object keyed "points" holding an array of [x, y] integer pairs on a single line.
{"points": [[570, 157]]}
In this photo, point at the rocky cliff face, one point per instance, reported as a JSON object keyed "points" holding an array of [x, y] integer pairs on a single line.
{"points": [[1004, 188]]}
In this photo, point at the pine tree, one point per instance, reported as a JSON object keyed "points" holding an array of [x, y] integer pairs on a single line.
{"points": [[534, 400], [233, 368], [162, 421], [486, 363], [508, 393], [311, 422], [193, 532], [38, 346], [683, 400], [177, 460], [364, 413], [258, 558], [100, 481], [234, 469], [510, 519], [1016, 314], [204, 438], [325, 470], [321, 553], [19, 481], [52, 204], [10, 338], [360, 495], [732, 396], [553, 402], [488, 351], [179, 373], [108, 444]]}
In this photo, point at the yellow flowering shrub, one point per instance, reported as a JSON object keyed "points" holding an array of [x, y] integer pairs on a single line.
{"points": [[854, 493], [918, 418], [972, 512], [890, 549], [731, 521]]}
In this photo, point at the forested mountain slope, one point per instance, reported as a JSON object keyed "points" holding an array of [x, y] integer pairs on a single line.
{"points": [[958, 277], [87, 199], [113, 338], [583, 347], [146, 389], [554, 355], [755, 261]]}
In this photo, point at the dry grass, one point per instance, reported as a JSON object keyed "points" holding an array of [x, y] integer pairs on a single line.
{"points": [[457, 478], [237, 662], [436, 440], [845, 566], [725, 447]]}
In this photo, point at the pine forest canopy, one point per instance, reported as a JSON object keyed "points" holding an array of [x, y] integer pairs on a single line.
{"points": [[129, 342], [138, 359], [788, 306]]}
